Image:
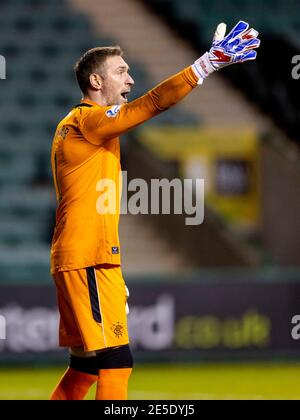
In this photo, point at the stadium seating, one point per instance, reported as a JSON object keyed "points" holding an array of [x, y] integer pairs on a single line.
{"points": [[268, 82], [273, 16], [41, 40]]}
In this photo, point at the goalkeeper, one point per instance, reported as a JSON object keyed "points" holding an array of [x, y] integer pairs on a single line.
{"points": [[85, 252]]}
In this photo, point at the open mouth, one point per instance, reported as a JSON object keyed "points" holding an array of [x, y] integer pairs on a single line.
{"points": [[125, 95]]}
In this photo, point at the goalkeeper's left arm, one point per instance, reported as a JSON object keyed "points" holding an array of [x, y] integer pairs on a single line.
{"points": [[103, 123]]}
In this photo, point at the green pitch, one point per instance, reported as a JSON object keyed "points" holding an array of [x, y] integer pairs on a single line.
{"points": [[213, 381]]}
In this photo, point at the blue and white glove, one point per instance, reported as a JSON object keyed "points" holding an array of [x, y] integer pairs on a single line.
{"points": [[237, 47]]}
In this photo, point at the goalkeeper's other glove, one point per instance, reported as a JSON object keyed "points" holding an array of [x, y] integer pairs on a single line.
{"points": [[238, 46]]}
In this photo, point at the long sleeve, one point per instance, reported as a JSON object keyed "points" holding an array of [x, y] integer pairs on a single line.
{"points": [[100, 124]]}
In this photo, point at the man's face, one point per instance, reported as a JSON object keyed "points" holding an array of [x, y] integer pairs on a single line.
{"points": [[117, 82]]}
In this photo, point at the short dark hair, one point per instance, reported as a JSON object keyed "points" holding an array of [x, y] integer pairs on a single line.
{"points": [[92, 62]]}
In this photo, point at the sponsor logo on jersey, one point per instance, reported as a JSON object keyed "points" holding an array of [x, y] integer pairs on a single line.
{"points": [[115, 250]]}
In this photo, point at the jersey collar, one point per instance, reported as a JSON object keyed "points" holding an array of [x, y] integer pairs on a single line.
{"points": [[88, 102]]}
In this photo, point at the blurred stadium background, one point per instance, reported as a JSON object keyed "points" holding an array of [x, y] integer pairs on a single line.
{"points": [[211, 305]]}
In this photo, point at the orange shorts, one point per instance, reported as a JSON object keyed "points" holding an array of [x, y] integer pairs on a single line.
{"points": [[92, 306]]}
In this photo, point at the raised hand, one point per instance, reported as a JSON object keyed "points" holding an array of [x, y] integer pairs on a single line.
{"points": [[236, 47]]}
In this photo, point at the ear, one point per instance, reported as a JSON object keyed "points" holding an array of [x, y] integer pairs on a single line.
{"points": [[95, 81]]}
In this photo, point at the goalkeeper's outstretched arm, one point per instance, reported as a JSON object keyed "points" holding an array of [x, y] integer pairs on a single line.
{"points": [[237, 47]]}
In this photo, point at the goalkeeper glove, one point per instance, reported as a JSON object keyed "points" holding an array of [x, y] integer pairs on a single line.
{"points": [[237, 47]]}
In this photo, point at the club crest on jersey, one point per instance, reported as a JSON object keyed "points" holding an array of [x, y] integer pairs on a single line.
{"points": [[118, 329], [113, 111]]}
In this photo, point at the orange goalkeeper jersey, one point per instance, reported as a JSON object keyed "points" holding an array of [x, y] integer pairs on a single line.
{"points": [[85, 151]]}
